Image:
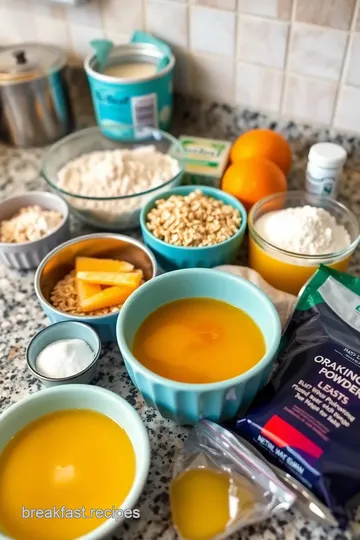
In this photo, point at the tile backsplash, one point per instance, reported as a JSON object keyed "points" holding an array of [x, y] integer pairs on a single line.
{"points": [[296, 59]]}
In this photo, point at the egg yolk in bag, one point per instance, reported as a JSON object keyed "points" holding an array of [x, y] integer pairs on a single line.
{"points": [[219, 486]]}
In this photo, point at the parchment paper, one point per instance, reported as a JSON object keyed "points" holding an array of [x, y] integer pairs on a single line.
{"points": [[284, 302]]}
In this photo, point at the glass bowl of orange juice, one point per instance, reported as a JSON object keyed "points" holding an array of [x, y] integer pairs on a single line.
{"points": [[288, 271]]}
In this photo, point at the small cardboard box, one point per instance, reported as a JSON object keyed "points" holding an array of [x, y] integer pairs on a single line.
{"points": [[206, 160]]}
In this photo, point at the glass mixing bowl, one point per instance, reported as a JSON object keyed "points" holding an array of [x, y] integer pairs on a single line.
{"points": [[110, 213], [289, 271]]}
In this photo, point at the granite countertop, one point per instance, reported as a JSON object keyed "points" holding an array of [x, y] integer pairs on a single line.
{"points": [[21, 317]]}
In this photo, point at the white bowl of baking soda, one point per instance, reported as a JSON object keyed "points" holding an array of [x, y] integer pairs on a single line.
{"points": [[66, 352]]}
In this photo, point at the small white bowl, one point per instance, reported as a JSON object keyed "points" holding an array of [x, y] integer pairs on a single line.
{"points": [[28, 255], [78, 396], [56, 332]]}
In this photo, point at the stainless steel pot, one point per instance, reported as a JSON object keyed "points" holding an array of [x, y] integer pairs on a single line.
{"points": [[35, 107]]}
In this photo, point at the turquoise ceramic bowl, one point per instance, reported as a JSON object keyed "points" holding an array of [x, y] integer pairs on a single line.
{"points": [[64, 330], [183, 402], [81, 396], [172, 257]]}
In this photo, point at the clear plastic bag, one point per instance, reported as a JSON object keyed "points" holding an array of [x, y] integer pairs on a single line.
{"points": [[220, 486]]}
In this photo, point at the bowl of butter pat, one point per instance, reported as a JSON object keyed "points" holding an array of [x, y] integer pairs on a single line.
{"points": [[64, 353]]}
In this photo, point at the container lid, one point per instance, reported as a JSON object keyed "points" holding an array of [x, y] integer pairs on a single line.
{"points": [[327, 155], [29, 61]]}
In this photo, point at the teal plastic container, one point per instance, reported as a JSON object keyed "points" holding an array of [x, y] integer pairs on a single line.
{"points": [[138, 102], [172, 257], [183, 402]]}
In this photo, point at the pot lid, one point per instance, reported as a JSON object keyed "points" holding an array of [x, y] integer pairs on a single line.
{"points": [[29, 61]]}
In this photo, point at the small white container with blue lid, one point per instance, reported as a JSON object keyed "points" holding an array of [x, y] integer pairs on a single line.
{"points": [[130, 89]]}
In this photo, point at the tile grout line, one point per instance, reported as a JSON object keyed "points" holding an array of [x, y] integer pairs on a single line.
{"points": [[286, 61], [188, 50], [102, 19], [235, 63], [144, 14]]}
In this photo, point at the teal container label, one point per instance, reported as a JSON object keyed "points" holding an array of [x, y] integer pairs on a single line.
{"points": [[141, 104]]}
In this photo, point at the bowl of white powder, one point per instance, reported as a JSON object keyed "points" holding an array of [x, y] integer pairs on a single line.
{"points": [[292, 233], [107, 175]]}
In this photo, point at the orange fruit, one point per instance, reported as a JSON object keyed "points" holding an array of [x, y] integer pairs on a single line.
{"points": [[252, 179], [265, 143]]}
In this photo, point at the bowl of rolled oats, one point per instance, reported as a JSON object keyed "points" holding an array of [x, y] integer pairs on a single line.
{"points": [[31, 225], [107, 175], [193, 226], [65, 297]]}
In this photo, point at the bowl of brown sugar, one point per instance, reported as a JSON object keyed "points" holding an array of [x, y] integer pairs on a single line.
{"points": [[31, 225]]}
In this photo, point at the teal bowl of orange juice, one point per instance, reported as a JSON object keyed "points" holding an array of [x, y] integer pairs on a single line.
{"points": [[198, 343]]}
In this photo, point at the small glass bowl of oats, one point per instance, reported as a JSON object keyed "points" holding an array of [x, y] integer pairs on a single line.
{"points": [[31, 225], [106, 175]]}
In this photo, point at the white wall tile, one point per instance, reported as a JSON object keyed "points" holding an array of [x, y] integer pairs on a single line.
{"points": [[16, 27], [357, 17], [117, 38], [50, 30], [347, 115], [353, 68], [41, 7], [80, 37], [182, 75], [276, 9], [258, 87], [331, 13], [311, 100], [212, 31], [213, 78], [15, 4], [86, 14], [230, 5], [317, 51], [122, 16], [262, 41], [168, 21]]}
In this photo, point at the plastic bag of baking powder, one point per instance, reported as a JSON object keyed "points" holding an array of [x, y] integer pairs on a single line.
{"points": [[306, 421]]}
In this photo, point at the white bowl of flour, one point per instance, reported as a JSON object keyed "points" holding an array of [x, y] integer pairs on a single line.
{"points": [[292, 233]]}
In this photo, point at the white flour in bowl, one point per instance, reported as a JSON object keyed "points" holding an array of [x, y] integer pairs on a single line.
{"points": [[307, 230], [115, 173]]}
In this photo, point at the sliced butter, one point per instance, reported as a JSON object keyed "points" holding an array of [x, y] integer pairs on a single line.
{"points": [[206, 160]]}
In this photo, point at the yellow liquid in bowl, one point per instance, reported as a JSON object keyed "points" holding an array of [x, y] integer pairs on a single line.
{"points": [[199, 340], [77, 459], [283, 275]]}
